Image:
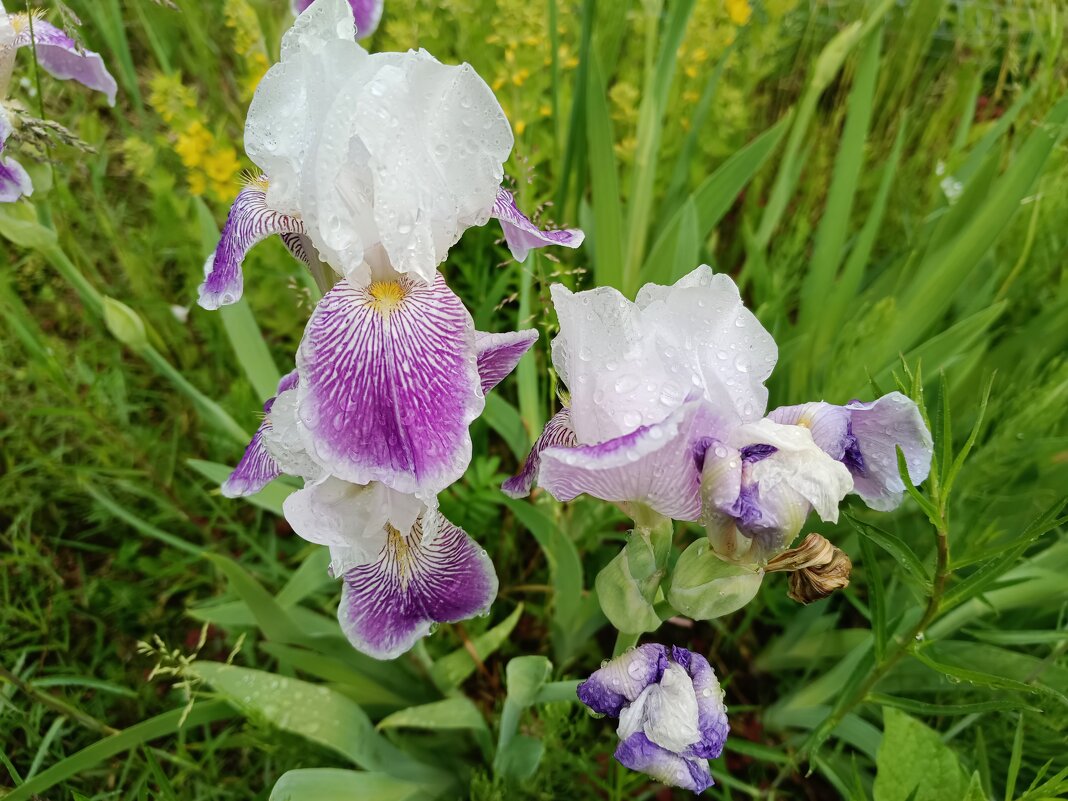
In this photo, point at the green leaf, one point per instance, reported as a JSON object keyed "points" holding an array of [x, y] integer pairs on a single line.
{"points": [[704, 587], [307, 579], [314, 712], [250, 348], [505, 419], [604, 183], [876, 598], [270, 498], [913, 764], [19, 226], [896, 547], [453, 669], [928, 709], [526, 675], [272, 619], [626, 587], [519, 760], [452, 713], [332, 784], [103, 750]]}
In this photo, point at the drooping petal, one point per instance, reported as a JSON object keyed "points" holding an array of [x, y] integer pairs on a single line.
{"points": [[284, 439], [257, 467], [702, 323], [879, 427], [640, 753], [712, 713], [620, 681], [368, 13], [434, 574], [350, 519], [62, 57], [14, 180], [498, 354], [250, 221], [828, 423], [389, 384], [655, 465], [556, 434], [522, 235]]}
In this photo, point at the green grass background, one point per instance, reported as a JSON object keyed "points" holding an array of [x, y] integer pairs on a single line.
{"points": [[886, 181]]}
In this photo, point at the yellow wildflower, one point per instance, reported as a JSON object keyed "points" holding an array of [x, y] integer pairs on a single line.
{"points": [[192, 144], [739, 11], [520, 126], [197, 183], [222, 166], [171, 99]]}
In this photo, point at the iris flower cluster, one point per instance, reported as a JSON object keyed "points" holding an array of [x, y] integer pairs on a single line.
{"points": [[59, 55], [373, 166]]}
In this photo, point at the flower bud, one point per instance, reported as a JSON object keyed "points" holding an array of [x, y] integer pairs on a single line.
{"points": [[124, 324]]}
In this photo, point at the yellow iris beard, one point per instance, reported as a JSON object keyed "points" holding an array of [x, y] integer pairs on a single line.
{"points": [[386, 296]]}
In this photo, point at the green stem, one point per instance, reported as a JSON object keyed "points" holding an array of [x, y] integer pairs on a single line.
{"points": [[623, 642]]}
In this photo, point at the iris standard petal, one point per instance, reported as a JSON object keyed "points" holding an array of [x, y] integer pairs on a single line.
{"points": [[620, 681], [250, 221], [878, 428], [655, 465], [522, 236], [828, 423], [712, 713], [639, 753], [389, 384], [556, 434], [62, 57], [368, 13], [702, 324], [14, 180], [498, 354], [257, 467], [434, 574]]}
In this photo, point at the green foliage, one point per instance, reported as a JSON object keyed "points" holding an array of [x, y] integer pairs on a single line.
{"points": [[882, 180]]}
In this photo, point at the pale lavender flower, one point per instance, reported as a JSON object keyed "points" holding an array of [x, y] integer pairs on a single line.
{"points": [[60, 56], [672, 719]]}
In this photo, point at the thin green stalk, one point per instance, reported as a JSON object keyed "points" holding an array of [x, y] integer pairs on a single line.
{"points": [[57, 704]]}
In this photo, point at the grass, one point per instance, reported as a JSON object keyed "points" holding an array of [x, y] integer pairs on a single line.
{"points": [[884, 180]]}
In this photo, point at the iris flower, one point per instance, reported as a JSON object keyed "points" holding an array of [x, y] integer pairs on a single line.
{"points": [[60, 56], [666, 411], [367, 14], [670, 708], [373, 167]]}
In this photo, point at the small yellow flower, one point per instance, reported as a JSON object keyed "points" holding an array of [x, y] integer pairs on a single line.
{"points": [[546, 110], [192, 144], [222, 166], [197, 183], [739, 11], [521, 76], [520, 126], [171, 99]]}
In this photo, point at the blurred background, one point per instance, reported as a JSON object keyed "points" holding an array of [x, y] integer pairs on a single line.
{"points": [[885, 181]]}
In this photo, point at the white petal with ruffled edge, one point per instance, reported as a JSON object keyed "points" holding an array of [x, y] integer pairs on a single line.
{"points": [[368, 13]]}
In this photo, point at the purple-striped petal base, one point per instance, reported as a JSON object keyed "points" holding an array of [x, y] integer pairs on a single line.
{"points": [[498, 354], [522, 235], [250, 221], [62, 57], [389, 384], [434, 574], [258, 467]]}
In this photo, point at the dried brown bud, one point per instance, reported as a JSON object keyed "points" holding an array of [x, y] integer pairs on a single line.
{"points": [[817, 568]]}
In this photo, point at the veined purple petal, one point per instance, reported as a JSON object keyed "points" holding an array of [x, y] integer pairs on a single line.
{"points": [[620, 681], [654, 465], [879, 427], [61, 56], [368, 13], [639, 753], [498, 354], [828, 423], [14, 181], [434, 574], [557, 433], [711, 713], [522, 235], [249, 222], [257, 467], [389, 384]]}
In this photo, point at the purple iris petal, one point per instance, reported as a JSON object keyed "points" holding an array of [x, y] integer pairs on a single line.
{"points": [[389, 384], [368, 13], [557, 433], [712, 714], [754, 453], [249, 222], [257, 467], [620, 681], [640, 753], [522, 235], [498, 354], [879, 427], [14, 181], [434, 574], [653, 465], [62, 57]]}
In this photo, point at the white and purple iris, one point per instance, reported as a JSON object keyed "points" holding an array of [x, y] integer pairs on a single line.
{"points": [[374, 166], [666, 411], [672, 719], [367, 13], [59, 55]]}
